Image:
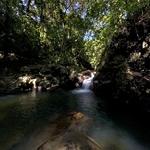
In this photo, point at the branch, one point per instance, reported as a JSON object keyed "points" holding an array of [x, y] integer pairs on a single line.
{"points": [[28, 6]]}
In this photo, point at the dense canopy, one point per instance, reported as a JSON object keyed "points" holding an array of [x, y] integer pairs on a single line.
{"points": [[68, 32]]}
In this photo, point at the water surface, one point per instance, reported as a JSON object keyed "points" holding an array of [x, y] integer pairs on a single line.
{"points": [[27, 120]]}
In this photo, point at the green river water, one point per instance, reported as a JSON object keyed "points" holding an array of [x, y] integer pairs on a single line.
{"points": [[27, 120]]}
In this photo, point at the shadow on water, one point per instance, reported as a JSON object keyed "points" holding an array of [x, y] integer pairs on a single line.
{"points": [[27, 120], [118, 131]]}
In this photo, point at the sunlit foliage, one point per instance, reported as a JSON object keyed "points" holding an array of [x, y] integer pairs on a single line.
{"points": [[62, 31]]}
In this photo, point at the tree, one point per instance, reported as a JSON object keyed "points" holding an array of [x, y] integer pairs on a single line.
{"points": [[55, 31]]}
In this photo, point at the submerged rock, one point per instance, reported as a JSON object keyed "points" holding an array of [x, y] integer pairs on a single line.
{"points": [[74, 138], [77, 115]]}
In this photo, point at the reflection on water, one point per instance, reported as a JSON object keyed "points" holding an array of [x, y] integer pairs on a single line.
{"points": [[104, 130], [26, 118], [87, 102]]}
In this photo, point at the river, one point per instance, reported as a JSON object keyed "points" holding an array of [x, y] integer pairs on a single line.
{"points": [[31, 119]]}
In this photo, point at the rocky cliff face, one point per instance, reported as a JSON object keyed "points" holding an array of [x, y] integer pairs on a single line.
{"points": [[125, 76]]}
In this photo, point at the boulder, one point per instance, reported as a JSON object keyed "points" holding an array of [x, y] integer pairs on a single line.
{"points": [[125, 77]]}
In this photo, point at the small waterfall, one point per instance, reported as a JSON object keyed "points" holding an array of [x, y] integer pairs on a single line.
{"points": [[87, 83]]}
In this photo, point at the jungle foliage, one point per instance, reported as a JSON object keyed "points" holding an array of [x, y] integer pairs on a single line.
{"points": [[68, 32]]}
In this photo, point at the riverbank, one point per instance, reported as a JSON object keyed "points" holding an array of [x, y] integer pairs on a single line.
{"points": [[43, 78], [36, 77], [124, 77]]}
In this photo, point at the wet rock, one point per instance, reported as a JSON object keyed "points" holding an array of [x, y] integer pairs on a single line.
{"points": [[48, 77], [124, 77], [74, 138], [76, 115]]}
